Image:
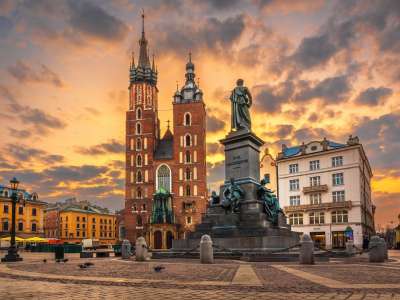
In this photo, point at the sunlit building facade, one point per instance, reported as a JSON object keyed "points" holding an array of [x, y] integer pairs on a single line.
{"points": [[325, 191]]}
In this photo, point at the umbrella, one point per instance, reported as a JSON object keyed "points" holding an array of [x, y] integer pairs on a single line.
{"points": [[8, 238]]}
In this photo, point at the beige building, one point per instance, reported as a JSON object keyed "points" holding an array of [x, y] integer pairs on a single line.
{"points": [[268, 167], [325, 191]]}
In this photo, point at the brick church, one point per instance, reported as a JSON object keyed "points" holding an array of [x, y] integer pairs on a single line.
{"points": [[165, 189]]}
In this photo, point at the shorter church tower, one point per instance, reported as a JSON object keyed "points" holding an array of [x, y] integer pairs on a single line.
{"points": [[189, 125]]}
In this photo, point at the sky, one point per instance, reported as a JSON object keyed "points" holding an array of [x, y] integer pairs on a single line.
{"points": [[315, 68]]}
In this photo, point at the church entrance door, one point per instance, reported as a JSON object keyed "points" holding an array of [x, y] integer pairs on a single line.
{"points": [[158, 240]]}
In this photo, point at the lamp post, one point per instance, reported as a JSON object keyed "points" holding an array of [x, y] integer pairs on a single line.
{"points": [[12, 255]]}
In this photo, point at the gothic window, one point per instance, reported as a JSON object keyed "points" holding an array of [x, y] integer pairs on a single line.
{"points": [[144, 207], [187, 190], [139, 193], [187, 156], [138, 128], [164, 178], [187, 174], [188, 140], [187, 119], [139, 95], [139, 160], [138, 144], [138, 113], [139, 176], [139, 221]]}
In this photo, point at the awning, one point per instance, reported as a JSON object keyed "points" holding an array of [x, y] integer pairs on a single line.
{"points": [[8, 238], [36, 239]]}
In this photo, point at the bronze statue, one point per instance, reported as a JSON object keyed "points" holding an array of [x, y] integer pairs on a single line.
{"points": [[241, 101], [214, 199], [233, 193], [271, 203]]}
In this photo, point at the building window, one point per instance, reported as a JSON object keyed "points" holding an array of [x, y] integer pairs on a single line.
{"points": [[338, 196], [77, 219], [315, 199], [337, 161], [131, 143], [33, 227], [189, 220], [77, 233], [138, 144], [94, 220], [139, 221], [294, 185], [294, 200], [296, 219], [317, 218], [143, 207], [293, 168], [187, 174], [187, 120], [337, 179], [139, 193], [78, 225], [315, 181], [138, 160], [5, 225], [6, 209], [34, 212], [138, 113], [20, 226], [340, 216], [139, 177], [187, 156], [138, 128], [164, 178], [188, 140], [187, 190], [314, 165], [20, 210]]}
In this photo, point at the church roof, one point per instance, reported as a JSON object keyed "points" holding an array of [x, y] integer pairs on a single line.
{"points": [[165, 146]]}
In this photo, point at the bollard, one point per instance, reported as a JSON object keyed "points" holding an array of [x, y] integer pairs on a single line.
{"points": [[306, 256], [141, 251], [126, 249], [376, 250], [206, 250], [349, 247]]}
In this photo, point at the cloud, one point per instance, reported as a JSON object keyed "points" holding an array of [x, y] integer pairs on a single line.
{"points": [[374, 96], [214, 148], [91, 20], [113, 146], [284, 130], [20, 134], [6, 26], [24, 153], [330, 90], [309, 134], [25, 74], [214, 124], [271, 98]]}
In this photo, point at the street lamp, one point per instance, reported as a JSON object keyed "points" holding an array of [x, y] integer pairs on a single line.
{"points": [[12, 254]]}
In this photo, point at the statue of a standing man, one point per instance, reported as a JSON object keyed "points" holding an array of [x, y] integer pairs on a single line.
{"points": [[241, 101]]}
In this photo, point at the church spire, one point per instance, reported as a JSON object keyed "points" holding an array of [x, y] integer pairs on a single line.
{"points": [[144, 60]]}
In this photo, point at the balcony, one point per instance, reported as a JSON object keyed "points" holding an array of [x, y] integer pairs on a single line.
{"points": [[322, 206], [315, 189]]}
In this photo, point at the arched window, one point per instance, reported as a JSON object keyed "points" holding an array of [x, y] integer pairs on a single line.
{"points": [[187, 190], [138, 144], [187, 156], [139, 193], [138, 128], [138, 160], [139, 221], [188, 140], [187, 119], [164, 178], [187, 174], [138, 113], [139, 176]]}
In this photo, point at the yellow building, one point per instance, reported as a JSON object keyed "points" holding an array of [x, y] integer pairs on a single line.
{"points": [[73, 221], [29, 216]]}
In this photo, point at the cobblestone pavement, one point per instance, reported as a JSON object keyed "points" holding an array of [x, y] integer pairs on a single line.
{"points": [[187, 279]]}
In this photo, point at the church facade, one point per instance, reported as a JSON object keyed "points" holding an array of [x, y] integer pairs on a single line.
{"points": [[165, 187]]}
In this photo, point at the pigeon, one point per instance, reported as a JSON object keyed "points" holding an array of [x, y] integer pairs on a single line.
{"points": [[58, 260], [88, 264], [82, 266], [65, 260], [158, 268], [44, 260]]}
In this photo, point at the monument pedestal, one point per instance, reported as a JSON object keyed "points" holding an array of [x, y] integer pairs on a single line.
{"points": [[249, 229]]}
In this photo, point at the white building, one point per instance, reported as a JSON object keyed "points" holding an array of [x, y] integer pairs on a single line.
{"points": [[325, 190]]}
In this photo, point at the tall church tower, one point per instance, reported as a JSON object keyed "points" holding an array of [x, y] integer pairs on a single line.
{"points": [[142, 134], [189, 125]]}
